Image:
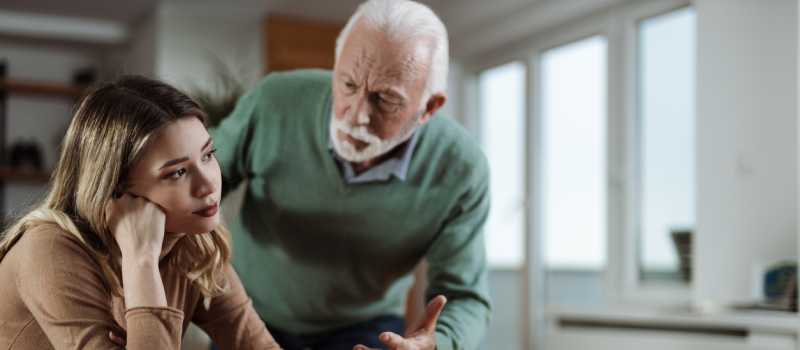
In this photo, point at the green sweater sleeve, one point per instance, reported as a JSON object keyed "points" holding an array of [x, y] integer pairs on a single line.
{"points": [[232, 139], [458, 270]]}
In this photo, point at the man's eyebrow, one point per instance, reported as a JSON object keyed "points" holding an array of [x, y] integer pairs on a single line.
{"points": [[183, 159], [392, 92]]}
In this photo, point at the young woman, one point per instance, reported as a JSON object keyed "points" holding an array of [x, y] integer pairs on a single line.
{"points": [[129, 238]]}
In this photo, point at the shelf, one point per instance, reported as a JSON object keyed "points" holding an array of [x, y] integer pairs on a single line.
{"points": [[777, 322], [24, 175], [41, 87]]}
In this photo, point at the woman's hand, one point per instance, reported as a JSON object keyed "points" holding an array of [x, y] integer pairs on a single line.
{"points": [[138, 226]]}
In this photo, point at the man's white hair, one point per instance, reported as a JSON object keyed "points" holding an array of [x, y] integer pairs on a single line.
{"points": [[400, 20]]}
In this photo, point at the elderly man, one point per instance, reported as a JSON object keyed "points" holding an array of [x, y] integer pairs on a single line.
{"points": [[352, 181]]}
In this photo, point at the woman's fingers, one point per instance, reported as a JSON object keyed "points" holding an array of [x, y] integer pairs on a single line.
{"points": [[117, 334], [117, 339], [137, 224]]}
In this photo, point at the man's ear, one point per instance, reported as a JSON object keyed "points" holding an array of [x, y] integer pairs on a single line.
{"points": [[435, 102]]}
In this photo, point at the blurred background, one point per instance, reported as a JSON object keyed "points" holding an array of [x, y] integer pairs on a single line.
{"points": [[644, 153]]}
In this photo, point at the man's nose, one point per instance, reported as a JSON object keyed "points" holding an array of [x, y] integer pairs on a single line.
{"points": [[361, 110]]}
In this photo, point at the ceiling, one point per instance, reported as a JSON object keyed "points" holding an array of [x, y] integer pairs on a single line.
{"points": [[115, 10], [458, 15], [466, 20]]}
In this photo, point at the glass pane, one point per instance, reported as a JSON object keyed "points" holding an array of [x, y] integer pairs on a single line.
{"points": [[502, 123], [667, 141], [573, 138]]}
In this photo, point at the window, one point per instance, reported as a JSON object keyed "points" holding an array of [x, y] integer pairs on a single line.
{"points": [[612, 129], [666, 101], [573, 165], [502, 121]]}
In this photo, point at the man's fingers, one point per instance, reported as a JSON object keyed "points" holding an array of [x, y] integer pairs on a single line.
{"points": [[432, 311], [391, 339], [362, 347]]}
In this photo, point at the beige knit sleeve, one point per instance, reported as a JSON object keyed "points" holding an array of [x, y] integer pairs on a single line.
{"points": [[231, 321], [63, 288], [154, 327]]}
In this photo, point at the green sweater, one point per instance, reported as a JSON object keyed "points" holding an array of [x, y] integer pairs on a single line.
{"points": [[316, 254]]}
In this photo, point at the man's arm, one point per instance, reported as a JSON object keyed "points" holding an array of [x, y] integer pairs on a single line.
{"points": [[459, 311], [458, 269], [232, 140]]}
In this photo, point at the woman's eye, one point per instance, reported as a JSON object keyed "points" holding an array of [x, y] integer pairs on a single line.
{"points": [[176, 174], [209, 155]]}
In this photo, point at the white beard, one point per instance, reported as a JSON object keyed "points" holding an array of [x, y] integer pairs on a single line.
{"points": [[376, 147]]}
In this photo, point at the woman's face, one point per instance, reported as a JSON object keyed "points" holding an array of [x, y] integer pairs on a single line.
{"points": [[179, 173]]}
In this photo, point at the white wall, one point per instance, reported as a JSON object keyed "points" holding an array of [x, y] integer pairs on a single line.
{"points": [[452, 107], [747, 142], [139, 55], [189, 35]]}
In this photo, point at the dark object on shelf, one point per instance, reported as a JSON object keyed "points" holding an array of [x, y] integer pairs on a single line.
{"points": [[85, 76], [777, 280], [780, 290], [789, 300], [26, 155], [683, 245]]}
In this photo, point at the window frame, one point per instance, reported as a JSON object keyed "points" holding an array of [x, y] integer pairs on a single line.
{"points": [[529, 52], [619, 25], [479, 136], [631, 287]]}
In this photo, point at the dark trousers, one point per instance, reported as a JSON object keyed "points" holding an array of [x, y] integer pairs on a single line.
{"points": [[365, 333]]}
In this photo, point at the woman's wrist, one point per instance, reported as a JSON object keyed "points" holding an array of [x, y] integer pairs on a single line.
{"points": [[141, 255], [140, 261], [140, 252], [142, 282]]}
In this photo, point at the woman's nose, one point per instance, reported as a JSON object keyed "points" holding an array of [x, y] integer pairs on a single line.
{"points": [[206, 184]]}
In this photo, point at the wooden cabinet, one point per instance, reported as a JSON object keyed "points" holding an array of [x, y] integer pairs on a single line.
{"points": [[294, 44]]}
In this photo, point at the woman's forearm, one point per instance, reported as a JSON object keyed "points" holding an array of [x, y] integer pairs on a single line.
{"points": [[142, 282], [138, 227]]}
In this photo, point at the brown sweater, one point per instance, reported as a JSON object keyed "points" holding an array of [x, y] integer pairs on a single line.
{"points": [[52, 296]]}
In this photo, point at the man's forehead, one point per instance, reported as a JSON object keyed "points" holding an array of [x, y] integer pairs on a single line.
{"points": [[386, 66], [387, 59]]}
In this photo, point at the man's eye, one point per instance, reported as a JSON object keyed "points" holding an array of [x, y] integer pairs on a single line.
{"points": [[209, 155], [350, 86], [176, 174]]}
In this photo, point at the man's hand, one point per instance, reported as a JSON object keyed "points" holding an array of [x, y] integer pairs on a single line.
{"points": [[420, 335]]}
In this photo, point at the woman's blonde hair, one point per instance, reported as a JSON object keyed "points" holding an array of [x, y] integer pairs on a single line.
{"points": [[113, 126]]}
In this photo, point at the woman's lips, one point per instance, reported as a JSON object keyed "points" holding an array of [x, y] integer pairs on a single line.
{"points": [[208, 211]]}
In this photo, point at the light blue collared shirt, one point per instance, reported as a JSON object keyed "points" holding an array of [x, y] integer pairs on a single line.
{"points": [[396, 165]]}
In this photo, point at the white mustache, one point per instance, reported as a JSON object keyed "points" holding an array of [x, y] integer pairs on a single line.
{"points": [[358, 132]]}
